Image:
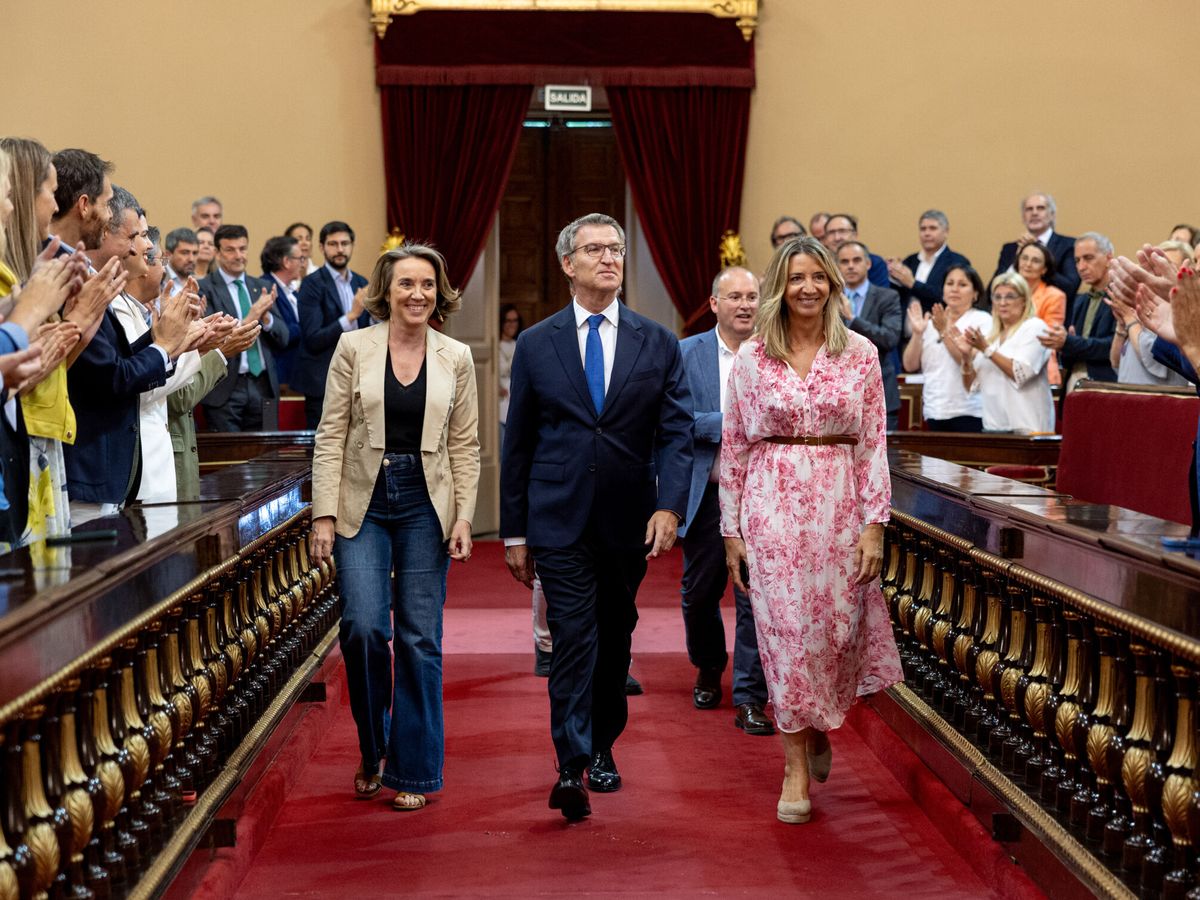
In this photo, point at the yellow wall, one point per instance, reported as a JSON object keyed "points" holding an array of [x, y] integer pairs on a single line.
{"points": [[271, 105]]}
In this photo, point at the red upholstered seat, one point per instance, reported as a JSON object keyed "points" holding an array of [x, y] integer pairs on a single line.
{"points": [[291, 414], [1130, 449]]}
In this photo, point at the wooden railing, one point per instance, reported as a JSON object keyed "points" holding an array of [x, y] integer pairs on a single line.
{"points": [[142, 672]]}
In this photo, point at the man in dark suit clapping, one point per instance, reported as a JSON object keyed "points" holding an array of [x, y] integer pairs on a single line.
{"points": [[236, 403], [1038, 211], [873, 312], [598, 393], [921, 274], [330, 302]]}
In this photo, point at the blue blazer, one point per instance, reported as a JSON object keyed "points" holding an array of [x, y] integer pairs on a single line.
{"points": [[320, 308], [104, 385], [285, 359], [702, 366], [1092, 348], [564, 468], [929, 291]]}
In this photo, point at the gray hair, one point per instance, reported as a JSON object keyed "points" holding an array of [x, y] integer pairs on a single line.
{"points": [[728, 270], [122, 202], [204, 201], [1049, 202], [793, 220], [181, 236], [566, 238], [940, 217], [1103, 244]]}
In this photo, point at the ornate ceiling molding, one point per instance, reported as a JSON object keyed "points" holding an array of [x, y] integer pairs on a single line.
{"points": [[744, 11]]}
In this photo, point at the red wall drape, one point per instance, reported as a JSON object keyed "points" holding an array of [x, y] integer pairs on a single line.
{"points": [[447, 152], [684, 151]]}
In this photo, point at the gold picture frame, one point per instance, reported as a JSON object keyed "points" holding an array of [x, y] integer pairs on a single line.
{"points": [[744, 11]]}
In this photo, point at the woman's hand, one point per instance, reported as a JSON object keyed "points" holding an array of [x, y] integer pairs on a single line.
{"points": [[975, 339], [320, 539], [939, 317], [917, 322], [460, 540], [735, 561], [868, 555]]}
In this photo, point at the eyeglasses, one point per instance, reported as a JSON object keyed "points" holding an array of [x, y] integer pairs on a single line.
{"points": [[1007, 298], [596, 251], [780, 238], [738, 298], [151, 259]]}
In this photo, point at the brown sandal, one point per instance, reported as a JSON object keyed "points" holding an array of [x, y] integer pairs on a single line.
{"points": [[408, 802], [366, 787]]}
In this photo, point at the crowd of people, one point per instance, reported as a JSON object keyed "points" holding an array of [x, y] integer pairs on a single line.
{"points": [[114, 335]]}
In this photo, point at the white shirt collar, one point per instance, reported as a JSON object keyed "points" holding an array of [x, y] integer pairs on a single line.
{"points": [[1044, 237], [610, 312], [230, 279], [722, 347], [931, 259]]}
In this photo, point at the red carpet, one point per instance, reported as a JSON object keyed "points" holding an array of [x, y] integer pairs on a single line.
{"points": [[696, 815]]}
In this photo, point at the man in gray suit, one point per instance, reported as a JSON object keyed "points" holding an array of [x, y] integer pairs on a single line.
{"points": [[873, 312], [707, 359], [236, 403]]}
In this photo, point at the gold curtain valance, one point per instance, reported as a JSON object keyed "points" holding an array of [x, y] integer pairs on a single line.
{"points": [[744, 11]]}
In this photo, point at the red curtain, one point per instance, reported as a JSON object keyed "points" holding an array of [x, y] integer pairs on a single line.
{"points": [[447, 153], [684, 150]]}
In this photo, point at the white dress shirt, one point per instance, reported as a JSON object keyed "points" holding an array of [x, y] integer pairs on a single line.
{"points": [[724, 367], [608, 334], [925, 264], [243, 361]]}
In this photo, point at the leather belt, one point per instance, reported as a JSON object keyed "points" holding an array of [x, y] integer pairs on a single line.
{"points": [[812, 440]]}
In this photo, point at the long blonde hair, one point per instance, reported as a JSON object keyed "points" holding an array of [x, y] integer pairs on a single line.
{"points": [[771, 323], [5, 175], [1018, 283], [29, 166]]}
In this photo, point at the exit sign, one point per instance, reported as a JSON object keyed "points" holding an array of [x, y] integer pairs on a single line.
{"points": [[569, 97]]}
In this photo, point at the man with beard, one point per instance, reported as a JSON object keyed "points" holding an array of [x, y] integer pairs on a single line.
{"points": [[110, 373], [330, 302], [182, 246], [84, 191]]}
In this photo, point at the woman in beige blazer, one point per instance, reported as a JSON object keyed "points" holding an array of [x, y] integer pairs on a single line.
{"points": [[395, 470]]}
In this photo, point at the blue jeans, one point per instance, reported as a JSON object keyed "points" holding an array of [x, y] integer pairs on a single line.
{"points": [[396, 565]]}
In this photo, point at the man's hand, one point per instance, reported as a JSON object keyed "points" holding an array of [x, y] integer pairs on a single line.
{"points": [[98, 291], [261, 306], [868, 555], [16, 368], [218, 327], [900, 273], [178, 311], [358, 305], [520, 564], [660, 533], [320, 539], [847, 308], [240, 339], [735, 562], [1025, 240], [1054, 338]]}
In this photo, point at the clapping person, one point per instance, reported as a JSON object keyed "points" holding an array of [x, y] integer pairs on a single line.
{"points": [[933, 351], [395, 472], [1008, 365]]}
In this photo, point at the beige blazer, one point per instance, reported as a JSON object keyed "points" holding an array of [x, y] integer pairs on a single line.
{"points": [[350, 439]]}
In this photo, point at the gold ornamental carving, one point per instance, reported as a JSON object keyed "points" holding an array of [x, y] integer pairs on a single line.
{"points": [[43, 845], [1064, 723], [83, 819], [744, 11]]}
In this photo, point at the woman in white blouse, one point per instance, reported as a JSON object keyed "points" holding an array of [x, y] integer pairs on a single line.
{"points": [[1008, 366], [945, 403]]}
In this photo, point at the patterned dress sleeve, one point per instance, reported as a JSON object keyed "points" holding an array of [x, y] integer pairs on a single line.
{"points": [[735, 448], [1028, 355], [871, 474]]}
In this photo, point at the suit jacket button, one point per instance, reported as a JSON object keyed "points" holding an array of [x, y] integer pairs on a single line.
{"points": [[591, 467], [359, 445], [599, 430]]}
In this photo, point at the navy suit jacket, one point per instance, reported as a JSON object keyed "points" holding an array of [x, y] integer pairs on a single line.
{"points": [[285, 359], [565, 468], [702, 366], [1093, 347], [882, 322], [104, 384], [1062, 248], [320, 308], [878, 273], [273, 338], [929, 291]]}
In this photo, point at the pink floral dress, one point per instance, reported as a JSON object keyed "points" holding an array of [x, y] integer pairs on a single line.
{"points": [[801, 510]]}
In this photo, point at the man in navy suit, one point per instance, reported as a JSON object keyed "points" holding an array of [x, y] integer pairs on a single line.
{"points": [[597, 394], [842, 227], [330, 302], [707, 359], [921, 274], [1085, 343], [873, 312], [281, 263], [236, 403], [1038, 211]]}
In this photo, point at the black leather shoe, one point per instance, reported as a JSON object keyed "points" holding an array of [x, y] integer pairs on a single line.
{"points": [[541, 665], [633, 687], [752, 720], [707, 692], [603, 777], [570, 796]]}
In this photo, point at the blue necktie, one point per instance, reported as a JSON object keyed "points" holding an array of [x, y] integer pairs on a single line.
{"points": [[593, 362]]}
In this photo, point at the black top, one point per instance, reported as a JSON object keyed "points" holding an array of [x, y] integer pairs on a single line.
{"points": [[403, 410]]}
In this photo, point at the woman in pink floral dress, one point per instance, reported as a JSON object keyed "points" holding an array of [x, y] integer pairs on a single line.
{"points": [[805, 491]]}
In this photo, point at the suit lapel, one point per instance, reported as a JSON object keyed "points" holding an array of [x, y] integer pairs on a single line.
{"points": [[566, 345], [629, 345], [869, 301], [439, 389], [712, 370], [372, 362]]}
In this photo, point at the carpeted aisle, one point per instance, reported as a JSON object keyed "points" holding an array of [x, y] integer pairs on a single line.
{"points": [[696, 815]]}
